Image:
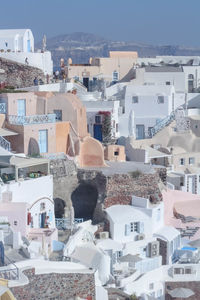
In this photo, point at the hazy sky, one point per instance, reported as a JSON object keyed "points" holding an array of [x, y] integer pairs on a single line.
{"points": [[148, 21]]}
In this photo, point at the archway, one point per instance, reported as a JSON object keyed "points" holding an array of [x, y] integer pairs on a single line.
{"points": [[59, 207], [84, 200]]}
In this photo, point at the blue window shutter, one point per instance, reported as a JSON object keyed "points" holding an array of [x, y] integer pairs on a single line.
{"points": [[21, 107], [127, 229], [43, 140], [140, 227]]}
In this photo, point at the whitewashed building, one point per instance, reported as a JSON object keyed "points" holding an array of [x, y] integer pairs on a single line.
{"points": [[95, 112], [145, 106], [16, 40], [18, 45]]}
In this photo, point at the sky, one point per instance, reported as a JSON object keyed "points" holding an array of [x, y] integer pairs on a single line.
{"points": [[157, 22]]}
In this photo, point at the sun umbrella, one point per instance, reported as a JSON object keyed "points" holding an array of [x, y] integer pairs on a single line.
{"points": [[182, 293]]}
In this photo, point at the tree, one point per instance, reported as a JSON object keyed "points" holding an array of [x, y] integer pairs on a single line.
{"points": [[106, 128]]}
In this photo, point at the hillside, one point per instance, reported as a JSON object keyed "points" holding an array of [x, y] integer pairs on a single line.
{"points": [[81, 46]]}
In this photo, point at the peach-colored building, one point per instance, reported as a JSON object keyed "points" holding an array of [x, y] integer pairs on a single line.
{"points": [[47, 122], [115, 153], [112, 68]]}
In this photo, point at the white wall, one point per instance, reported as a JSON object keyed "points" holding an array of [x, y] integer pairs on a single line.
{"points": [[42, 61], [30, 190]]}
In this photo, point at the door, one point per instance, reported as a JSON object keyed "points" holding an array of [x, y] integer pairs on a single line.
{"points": [[86, 82], [28, 46], [43, 141], [98, 132], [21, 107], [140, 132]]}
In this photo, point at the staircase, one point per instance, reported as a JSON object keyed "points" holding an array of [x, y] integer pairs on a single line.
{"points": [[163, 123]]}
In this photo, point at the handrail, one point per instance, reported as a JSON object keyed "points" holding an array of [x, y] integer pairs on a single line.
{"points": [[4, 143], [9, 273], [164, 122]]}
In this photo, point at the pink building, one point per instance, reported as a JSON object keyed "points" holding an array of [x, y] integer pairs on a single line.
{"points": [[181, 210]]}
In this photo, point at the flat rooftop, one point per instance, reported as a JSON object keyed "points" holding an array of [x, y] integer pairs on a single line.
{"points": [[124, 168]]}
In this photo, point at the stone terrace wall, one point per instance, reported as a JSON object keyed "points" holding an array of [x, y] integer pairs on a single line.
{"points": [[19, 75], [55, 286], [121, 188]]}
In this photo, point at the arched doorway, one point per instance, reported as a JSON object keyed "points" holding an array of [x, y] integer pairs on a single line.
{"points": [[84, 200], [59, 206]]}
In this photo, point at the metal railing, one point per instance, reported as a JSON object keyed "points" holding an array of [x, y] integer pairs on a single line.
{"points": [[2, 108], [34, 119], [4, 144], [9, 271], [163, 123], [63, 223]]}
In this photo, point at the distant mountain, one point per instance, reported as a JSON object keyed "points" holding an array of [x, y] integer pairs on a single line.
{"points": [[81, 46]]}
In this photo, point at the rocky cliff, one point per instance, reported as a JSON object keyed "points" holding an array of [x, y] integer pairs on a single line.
{"points": [[18, 75]]}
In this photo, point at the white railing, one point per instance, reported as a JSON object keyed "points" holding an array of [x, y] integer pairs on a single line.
{"points": [[4, 143], [64, 223], [163, 123], [34, 119]]}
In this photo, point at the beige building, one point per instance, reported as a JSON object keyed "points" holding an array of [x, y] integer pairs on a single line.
{"points": [[112, 68], [181, 146]]}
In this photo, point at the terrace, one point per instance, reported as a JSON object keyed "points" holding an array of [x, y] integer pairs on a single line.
{"points": [[15, 168]]}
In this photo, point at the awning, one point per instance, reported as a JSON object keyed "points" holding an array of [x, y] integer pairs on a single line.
{"points": [[25, 162], [6, 132]]}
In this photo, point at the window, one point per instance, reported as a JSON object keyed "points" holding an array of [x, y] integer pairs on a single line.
{"points": [[188, 271], [98, 119], [182, 161], [160, 99], [151, 286], [116, 153], [191, 160], [167, 82], [42, 206], [21, 107], [15, 223], [58, 114], [117, 127], [135, 99], [115, 76], [43, 141], [134, 226]]}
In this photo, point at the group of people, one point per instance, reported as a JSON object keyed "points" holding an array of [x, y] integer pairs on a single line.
{"points": [[37, 81]]}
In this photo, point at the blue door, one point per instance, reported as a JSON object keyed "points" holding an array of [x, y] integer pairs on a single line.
{"points": [[43, 141], [140, 132], [98, 132], [21, 107], [28, 46]]}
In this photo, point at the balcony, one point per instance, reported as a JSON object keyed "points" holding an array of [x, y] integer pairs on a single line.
{"points": [[29, 120]]}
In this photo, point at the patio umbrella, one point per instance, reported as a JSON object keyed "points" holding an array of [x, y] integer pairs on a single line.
{"points": [[182, 293]]}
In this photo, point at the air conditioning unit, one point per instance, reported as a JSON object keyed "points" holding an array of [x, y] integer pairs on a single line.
{"points": [[140, 237], [104, 235], [153, 249]]}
